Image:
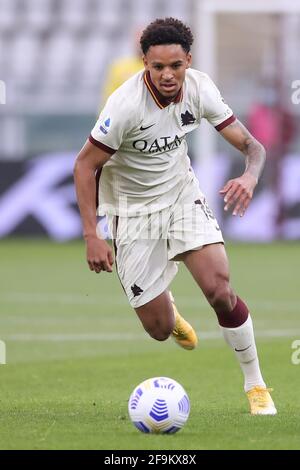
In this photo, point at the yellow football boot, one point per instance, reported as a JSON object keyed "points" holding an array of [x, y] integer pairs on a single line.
{"points": [[183, 333], [260, 401]]}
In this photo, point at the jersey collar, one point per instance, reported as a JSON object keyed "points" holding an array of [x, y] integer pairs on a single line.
{"points": [[159, 99]]}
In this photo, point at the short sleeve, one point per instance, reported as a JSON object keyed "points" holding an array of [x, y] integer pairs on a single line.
{"points": [[215, 110], [112, 125]]}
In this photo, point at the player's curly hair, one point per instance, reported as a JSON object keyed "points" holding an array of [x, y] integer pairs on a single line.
{"points": [[166, 31]]}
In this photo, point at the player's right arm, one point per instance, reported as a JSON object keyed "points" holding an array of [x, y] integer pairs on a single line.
{"points": [[89, 160]]}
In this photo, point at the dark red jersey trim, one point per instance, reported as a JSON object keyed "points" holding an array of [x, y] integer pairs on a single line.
{"points": [[101, 146], [159, 99], [226, 123]]}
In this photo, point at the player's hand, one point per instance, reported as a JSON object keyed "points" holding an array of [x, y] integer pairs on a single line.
{"points": [[99, 255], [238, 193]]}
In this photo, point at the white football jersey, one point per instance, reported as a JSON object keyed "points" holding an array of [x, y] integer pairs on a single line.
{"points": [[146, 136]]}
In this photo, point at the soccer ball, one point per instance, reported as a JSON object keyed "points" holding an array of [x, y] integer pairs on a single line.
{"points": [[159, 405]]}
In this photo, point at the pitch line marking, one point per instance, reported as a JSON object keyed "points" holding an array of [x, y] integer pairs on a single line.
{"points": [[208, 335]]}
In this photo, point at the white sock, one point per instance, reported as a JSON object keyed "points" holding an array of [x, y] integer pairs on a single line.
{"points": [[242, 341]]}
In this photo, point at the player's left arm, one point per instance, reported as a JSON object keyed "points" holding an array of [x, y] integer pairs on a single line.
{"points": [[238, 192]]}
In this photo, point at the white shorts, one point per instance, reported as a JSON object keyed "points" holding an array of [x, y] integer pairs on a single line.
{"points": [[145, 246]]}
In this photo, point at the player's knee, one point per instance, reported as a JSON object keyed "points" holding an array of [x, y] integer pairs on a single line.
{"points": [[160, 334], [221, 297]]}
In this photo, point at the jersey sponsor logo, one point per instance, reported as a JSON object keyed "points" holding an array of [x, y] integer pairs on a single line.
{"points": [[162, 144], [146, 127], [104, 127], [187, 118]]}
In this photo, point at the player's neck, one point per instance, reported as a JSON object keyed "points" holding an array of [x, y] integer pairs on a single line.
{"points": [[163, 100]]}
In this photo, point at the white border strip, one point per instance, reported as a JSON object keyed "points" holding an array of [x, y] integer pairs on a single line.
{"points": [[253, 6]]}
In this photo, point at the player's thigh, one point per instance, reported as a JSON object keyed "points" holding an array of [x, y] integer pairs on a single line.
{"points": [[193, 224], [209, 266], [157, 314], [142, 262]]}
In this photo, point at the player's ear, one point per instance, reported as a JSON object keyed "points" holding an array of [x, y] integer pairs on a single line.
{"points": [[145, 61], [189, 60]]}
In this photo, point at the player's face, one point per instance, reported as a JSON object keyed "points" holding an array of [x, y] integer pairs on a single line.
{"points": [[167, 65]]}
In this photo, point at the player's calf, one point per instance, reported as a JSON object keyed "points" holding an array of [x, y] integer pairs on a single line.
{"points": [[157, 317]]}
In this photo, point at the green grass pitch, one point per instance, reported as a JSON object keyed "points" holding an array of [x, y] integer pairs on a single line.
{"points": [[75, 351]]}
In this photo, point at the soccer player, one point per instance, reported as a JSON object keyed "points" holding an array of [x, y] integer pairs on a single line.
{"points": [[156, 212]]}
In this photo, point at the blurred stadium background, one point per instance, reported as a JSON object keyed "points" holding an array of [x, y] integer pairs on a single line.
{"points": [[57, 59]]}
